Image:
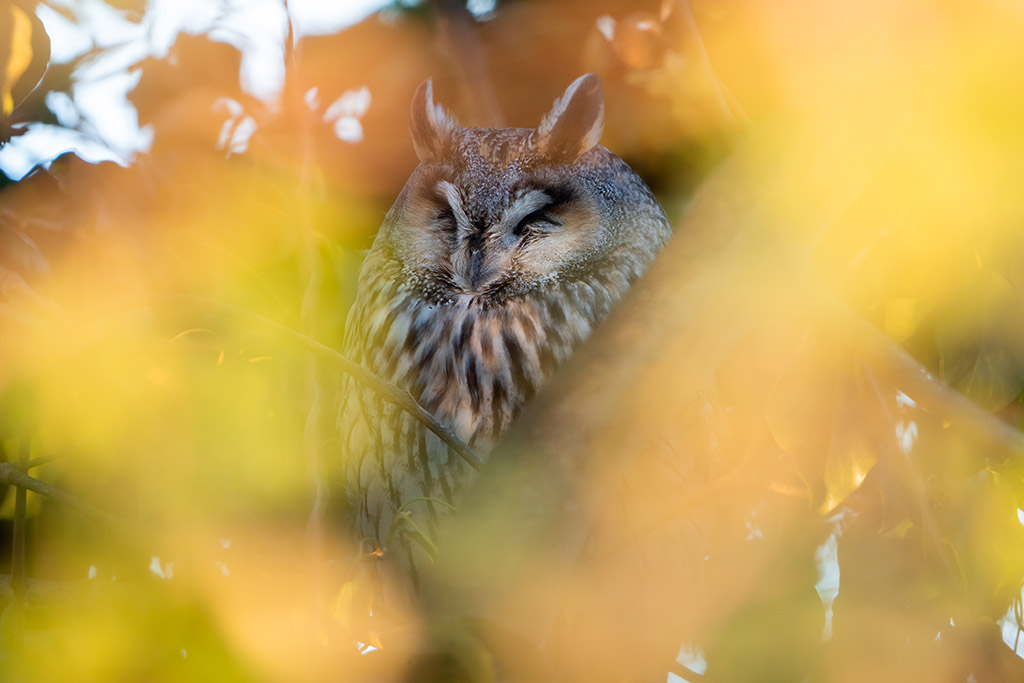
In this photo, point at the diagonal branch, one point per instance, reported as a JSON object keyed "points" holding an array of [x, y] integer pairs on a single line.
{"points": [[10, 474], [917, 382], [389, 392]]}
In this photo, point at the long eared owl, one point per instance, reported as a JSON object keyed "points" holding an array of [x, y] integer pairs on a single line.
{"points": [[504, 250]]}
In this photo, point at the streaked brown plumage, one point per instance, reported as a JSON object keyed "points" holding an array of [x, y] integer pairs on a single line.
{"points": [[503, 251]]}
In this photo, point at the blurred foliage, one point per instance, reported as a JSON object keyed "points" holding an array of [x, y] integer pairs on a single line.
{"points": [[26, 50], [832, 358]]}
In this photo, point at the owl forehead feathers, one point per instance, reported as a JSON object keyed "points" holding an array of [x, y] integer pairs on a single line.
{"points": [[476, 199], [485, 168]]}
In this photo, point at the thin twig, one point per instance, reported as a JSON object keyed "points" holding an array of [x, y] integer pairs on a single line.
{"points": [[39, 590], [11, 474], [389, 392], [913, 379], [43, 460], [19, 575]]}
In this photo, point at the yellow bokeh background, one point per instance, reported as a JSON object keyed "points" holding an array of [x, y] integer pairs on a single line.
{"points": [[833, 345]]}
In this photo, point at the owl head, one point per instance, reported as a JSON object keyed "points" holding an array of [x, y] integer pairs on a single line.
{"points": [[491, 214]]}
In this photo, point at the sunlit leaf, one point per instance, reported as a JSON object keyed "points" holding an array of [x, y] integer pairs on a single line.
{"points": [[902, 316], [991, 543], [900, 530], [826, 410], [24, 52], [845, 471]]}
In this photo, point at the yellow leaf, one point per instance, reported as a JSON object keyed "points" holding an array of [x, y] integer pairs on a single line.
{"points": [[353, 603], [20, 57], [845, 472], [900, 530], [901, 318]]}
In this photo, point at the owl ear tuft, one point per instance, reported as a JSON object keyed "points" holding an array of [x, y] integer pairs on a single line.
{"points": [[575, 122], [431, 126]]}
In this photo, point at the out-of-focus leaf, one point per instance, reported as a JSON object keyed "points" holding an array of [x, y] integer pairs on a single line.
{"points": [[636, 39], [900, 530], [845, 470], [902, 316], [827, 411], [24, 53], [981, 341], [990, 541], [772, 639], [177, 95]]}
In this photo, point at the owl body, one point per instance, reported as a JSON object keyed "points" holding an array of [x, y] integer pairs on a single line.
{"points": [[504, 250]]}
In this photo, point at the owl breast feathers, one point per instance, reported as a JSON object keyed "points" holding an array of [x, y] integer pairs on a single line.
{"points": [[504, 250]]}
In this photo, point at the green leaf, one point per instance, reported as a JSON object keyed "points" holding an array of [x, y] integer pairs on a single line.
{"points": [[981, 342]]}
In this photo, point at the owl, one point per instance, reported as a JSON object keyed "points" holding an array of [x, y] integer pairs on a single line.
{"points": [[504, 250]]}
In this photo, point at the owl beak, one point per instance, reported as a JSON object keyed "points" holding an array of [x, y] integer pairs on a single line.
{"points": [[478, 264], [481, 268]]}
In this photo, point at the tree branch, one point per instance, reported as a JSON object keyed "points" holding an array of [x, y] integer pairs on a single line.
{"points": [[389, 392], [39, 590], [914, 379], [10, 474]]}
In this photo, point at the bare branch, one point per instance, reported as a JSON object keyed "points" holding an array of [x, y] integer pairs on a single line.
{"points": [[10, 474], [389, 392], [39, 590], [43, 460], [914, 379]]}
